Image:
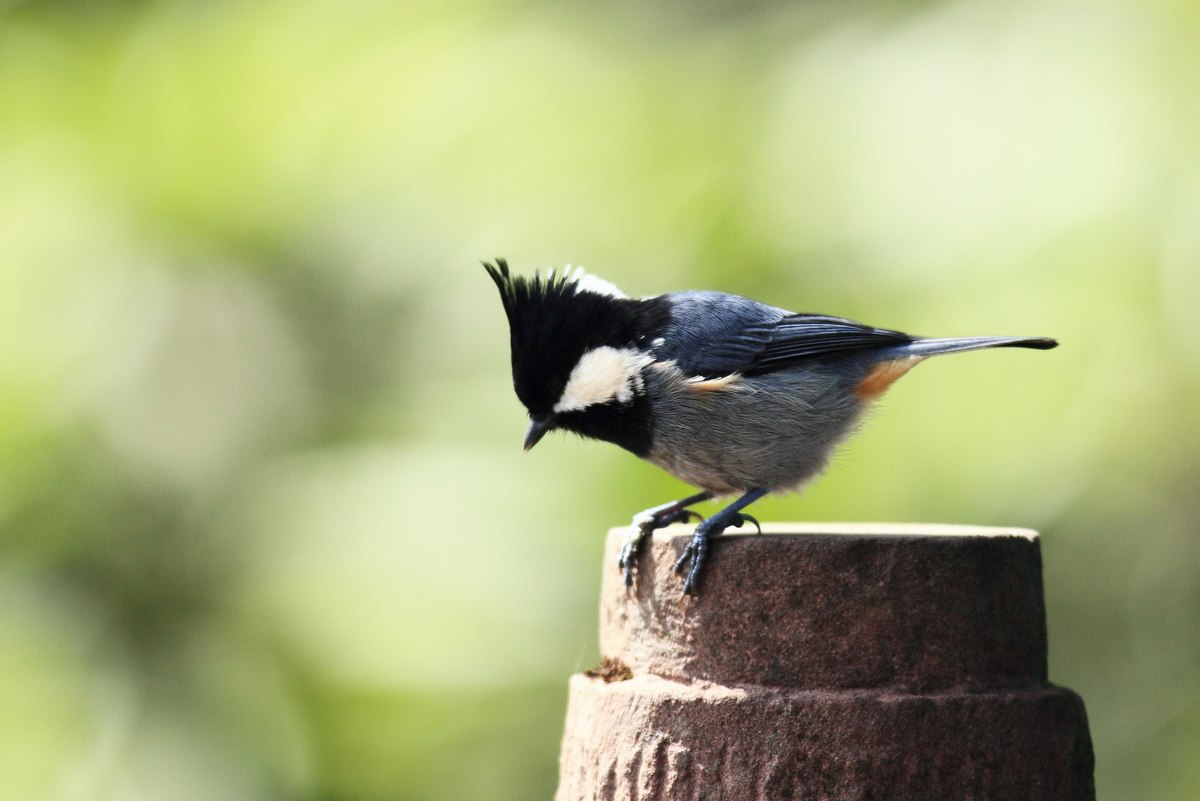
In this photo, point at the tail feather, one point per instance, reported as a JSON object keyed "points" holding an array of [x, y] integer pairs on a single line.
{"points": [[932, 347]]}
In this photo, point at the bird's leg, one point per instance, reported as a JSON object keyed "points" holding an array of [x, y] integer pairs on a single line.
{"points": [[655, 518], [731, 515]]}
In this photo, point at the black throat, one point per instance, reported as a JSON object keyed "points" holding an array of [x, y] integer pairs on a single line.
{"points": [[627, 425]]}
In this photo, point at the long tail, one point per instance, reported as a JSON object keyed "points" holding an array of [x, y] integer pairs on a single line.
{"points": [[896, 360], [933, 347]]}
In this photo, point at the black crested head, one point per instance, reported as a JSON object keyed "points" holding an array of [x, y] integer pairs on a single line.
{"points": [[554, 319]]}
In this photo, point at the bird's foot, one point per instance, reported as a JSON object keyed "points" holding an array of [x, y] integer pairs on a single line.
{"points": [[629, 551], [643, 525], [697, 547]]}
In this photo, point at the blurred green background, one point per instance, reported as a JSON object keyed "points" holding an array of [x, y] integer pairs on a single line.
{"points": [[267, 529]]}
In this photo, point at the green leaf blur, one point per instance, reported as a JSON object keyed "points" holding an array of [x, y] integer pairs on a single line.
{"points": [[266, 529]]}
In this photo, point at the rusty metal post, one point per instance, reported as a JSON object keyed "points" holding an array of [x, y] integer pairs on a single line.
{"points": [[828, 662]]}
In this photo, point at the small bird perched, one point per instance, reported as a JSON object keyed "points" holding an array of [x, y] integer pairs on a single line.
{"points": [[728, 394]]}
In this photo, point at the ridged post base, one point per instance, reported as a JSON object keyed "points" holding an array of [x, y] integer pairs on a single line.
{"points": [[652, 739], [851, 665]]}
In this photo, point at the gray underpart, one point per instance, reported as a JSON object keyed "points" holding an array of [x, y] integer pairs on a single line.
{"points": [[775, 431]]}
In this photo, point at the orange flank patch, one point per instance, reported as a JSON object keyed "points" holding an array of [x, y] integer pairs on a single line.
{"points": [[882, 376]]}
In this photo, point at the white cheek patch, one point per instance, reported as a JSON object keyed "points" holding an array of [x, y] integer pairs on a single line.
{"points": [[602, 375]]}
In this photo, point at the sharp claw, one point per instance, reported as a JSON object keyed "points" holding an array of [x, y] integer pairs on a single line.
{"points": [[683, 557], [742, 518], [693, 552], [690, 581], [627, 557]]}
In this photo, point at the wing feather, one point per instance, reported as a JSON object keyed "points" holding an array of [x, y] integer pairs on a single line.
{"points": [[805, 336], [712, 334]]}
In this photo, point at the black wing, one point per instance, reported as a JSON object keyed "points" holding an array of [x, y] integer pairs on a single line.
{"points": [[713, 334], [804, 336]]}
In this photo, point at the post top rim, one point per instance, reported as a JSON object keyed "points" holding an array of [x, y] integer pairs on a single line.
{"points": [[850, 529]]}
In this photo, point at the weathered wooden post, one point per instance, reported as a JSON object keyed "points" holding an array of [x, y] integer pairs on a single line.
{"points": [[828, 662]]}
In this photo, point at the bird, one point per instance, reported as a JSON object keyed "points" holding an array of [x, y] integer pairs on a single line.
{"points": [[732, 396]]}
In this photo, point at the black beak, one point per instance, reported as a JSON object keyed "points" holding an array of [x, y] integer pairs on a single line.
{"points": [[537, 430]]}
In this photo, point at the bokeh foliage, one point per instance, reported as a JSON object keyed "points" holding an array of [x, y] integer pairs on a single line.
{"points": [[267, 532]]}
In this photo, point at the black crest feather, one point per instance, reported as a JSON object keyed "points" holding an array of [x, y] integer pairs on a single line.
{"points": [[523, 296]]}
